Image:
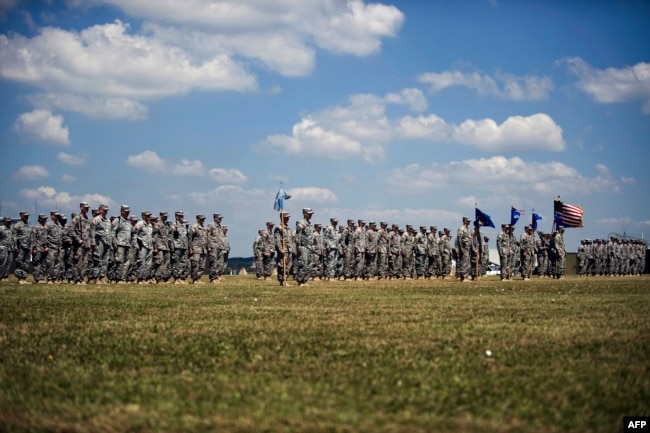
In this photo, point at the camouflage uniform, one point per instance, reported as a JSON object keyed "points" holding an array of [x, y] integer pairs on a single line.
{"points": [[258, 253], [444, 242], [101, 245], [370, 259], [216, 249], [22, 234], [304, 247], [382, 250], [285, 247], [420, 249], [557, 244], [317, 253], [394, 253], [198, 249], [54, 246], [121, 242], [463, 246], [7, 248], [408, 255], [527, 243], [162, 247], [180, 246], [81, 242], [39, 249], [433, 253], [143, 232], [331, 244]]}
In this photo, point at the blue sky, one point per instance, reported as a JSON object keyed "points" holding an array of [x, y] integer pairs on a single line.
{"points": [[409, 112]]}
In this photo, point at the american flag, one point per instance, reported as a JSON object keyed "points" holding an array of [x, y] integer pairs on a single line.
{"points": [[567, 215]]}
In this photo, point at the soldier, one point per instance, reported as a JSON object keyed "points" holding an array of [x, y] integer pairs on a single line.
{"points": [[485, 255], [7, 248], [162, 246], [420, 249], [331, 245], [101, 245], [134, 251], [180, 247], [225, 254], [581, 258], [143, 232], [268, 251], [382, 250], [39, 250], [121, 242], [65, 248], [347, 244], [370, 259], [557, 244], [258, 253], [285, 248], [433, 253], [359, 247], [445, 252], [527, 243], [463, 247], [304, 246], [541, 250], [394, 253], [216, 248], [475, 252], [198, 248], [54, 246], [81, 243], [22, 236], [318, 253]]}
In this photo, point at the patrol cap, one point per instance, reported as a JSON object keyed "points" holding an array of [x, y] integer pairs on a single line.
{"points": [[433, 228], [63, 217], [423, 227], [6, 219], [334, 220], [217, 215], [383, 223], [394, 226], [42, 216], [307, 210], [163, 213], [24, 213], [350, 221], [318, 225], [84, 204], [179, 213], [146, 213], [361, 221], [200, 216], [125, 207], [285, 214], [224, 227], [55, 212], [133, 218], [446, 229], [269, 223], [154, 218], [103, 207], [372, 223], [466, 219]]}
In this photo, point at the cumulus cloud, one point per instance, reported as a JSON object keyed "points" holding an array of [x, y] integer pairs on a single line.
{"points": [[312, 195], [43, 126], [66, 158], [150, 162], [611, 85], [505, 175], [230, 176], [363, 129], [51, 198], [100, 107], [505, 86], [31, 172], [68, 178]]}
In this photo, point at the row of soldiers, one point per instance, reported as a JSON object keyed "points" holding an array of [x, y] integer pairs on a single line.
{"points": [[613, 257], [360, 251], [121, 249]]}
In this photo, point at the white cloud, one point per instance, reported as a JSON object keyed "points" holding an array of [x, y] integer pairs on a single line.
{"points": [[229, 176], [611, 85], [188, 168], [72, 159], [68, 178], [312, 195], [148, 161], [499, 175], [506, 86], [31, 172], [361, 128], [44, 126], [51, 198], [99, 107]]}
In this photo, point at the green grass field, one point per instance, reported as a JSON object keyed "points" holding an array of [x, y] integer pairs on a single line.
{"points": [[396, 356]]}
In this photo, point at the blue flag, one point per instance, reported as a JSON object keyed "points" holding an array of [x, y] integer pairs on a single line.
{"points": [[535, 219], [483, 219], [514, 216], [280, 197]]}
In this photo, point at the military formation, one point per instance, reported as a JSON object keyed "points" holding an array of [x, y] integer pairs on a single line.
{"points": [[96, 249], [366, 251], [613, 257]]}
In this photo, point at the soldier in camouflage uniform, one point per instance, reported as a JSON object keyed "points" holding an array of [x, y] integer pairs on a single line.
{"points": [[269, 251], [504, 249], [226, 251], [180, 246], [541, 250], [7, 248], [331, 245], [198, 249], [433, 253], [285, 247], [22, 236], [318, 253], [382, 250], [54, 246], [394, 253], [420, 249], [215, 250], [143, 232], [463, 247], [81, 243], [304, 247], [121, 242], [162, 246], [370, 259], [134, 250], [347, 244], [445, 252], [39, 250], [101, 246], [258, 253], [527, 243], [408, 253], [559, 249]]}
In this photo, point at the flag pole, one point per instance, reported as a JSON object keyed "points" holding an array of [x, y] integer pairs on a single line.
{"points": [[284, 248], [533, 225], [477, 240]]}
